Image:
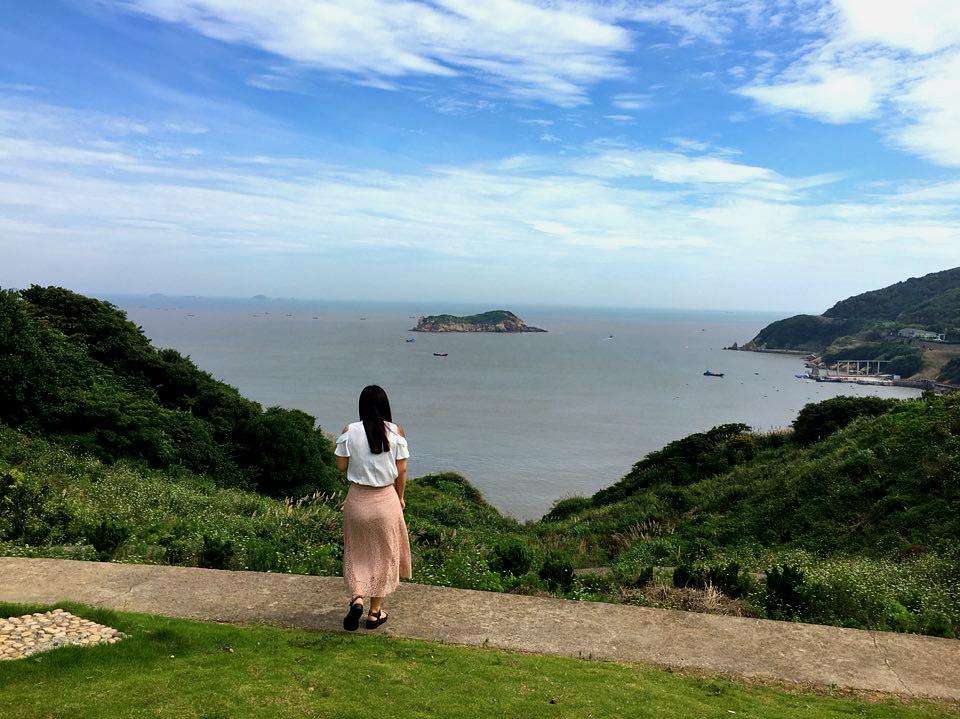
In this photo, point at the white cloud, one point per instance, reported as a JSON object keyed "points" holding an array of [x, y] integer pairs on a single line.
{"points": [[547, 137], [620, 118], [885, 60], [671, 167], [686, 143], [631, 101], [931, 104], [98, 204], [919, 26], [834, 95], [545, 52], [527, 49]]}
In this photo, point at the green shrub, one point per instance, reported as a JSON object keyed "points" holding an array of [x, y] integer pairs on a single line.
{"points": [[784, 598], [730, 580], [938, 625], [566, 507], [511, 556], [593, 586], [819, 420], [107, 536], [452, 484], [463, 567], [556, 570], [686, 576], [216, 553], [633, 576]]}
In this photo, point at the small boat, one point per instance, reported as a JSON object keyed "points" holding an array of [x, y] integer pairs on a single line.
{"points": [[412, 339], [708, 373], [440, 354]]}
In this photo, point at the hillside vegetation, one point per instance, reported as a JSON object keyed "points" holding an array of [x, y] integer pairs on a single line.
{"points": [[75, 369], [114, 450], [865, 326]]}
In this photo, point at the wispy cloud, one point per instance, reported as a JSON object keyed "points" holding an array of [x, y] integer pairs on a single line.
{"points": [[77, 194], [631, 101], [544, 52], [524, 49], [896, 63]]}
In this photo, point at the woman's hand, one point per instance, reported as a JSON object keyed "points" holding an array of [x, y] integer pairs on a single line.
{"points": [[403, 504]]}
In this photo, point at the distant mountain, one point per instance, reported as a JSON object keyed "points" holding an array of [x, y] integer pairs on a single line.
{"points": [[493, 321], [931, 302]]}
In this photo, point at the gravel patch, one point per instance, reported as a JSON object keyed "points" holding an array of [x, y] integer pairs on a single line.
{"points": [[40, 632]]}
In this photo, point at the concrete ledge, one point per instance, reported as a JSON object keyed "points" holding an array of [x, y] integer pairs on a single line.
{"points": [[905, 664]]}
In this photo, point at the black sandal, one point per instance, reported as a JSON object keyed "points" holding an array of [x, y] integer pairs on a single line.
{"points": [[376, 622], [352, 620]]}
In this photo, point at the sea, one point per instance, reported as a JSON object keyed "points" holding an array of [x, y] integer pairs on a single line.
{"points": [[527, 418]]}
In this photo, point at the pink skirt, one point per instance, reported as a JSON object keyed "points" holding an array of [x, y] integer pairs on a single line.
{"points": [[376, 547]]}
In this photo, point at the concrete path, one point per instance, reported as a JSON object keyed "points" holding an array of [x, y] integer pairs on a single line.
{"points": [[873, 661]]}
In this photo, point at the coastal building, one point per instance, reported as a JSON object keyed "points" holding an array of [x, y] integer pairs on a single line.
{"points": [[912, 333]]}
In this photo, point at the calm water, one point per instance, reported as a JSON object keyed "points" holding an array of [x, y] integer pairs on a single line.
{"points": [[527, 418]]}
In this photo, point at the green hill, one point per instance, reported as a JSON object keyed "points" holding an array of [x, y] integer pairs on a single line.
{"points": [[865, 326], [76, 370], [890, 302]]}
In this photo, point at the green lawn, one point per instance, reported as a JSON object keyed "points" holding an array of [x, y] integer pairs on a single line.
{"points": [[177, 668]]}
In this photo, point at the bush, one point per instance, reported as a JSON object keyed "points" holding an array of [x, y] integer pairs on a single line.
{"points": [[282, 451], [783, 598], [556, 570], [216, 553], [566, 507], [511, 556], [462, 567], [633, 576], [107, 537], [452, 484], [727, 578], [819, 420], [730, 580]]}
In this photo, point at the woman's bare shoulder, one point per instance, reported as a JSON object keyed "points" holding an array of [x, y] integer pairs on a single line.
{"points": [[345, 428], [400, 431]]}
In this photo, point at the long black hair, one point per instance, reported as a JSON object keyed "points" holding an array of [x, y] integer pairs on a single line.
{"points": [[374, 413]]}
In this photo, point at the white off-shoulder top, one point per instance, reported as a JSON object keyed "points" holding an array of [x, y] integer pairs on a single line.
{"points": [[374, 470]]}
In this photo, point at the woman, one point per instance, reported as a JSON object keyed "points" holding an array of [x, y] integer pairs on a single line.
{"points": [[376, 549]]}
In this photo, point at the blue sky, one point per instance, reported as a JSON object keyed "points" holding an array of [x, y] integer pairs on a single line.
{"points": [[726, 154]]}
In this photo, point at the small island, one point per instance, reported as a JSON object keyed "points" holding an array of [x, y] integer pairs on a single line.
{"points": [[493, 321]]}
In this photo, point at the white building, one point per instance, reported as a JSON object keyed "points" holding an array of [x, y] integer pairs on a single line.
{"points": [[912, 333]]}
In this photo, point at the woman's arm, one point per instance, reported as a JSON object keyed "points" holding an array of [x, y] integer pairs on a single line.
{"points": [[343, 462], [401, 480]]}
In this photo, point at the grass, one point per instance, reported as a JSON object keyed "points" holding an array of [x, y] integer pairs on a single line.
{"points": [[183, 669]]}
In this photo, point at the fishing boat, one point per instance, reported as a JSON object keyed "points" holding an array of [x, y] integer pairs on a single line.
{"points": [[708, 373], [440, 354], [412, 339]]}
